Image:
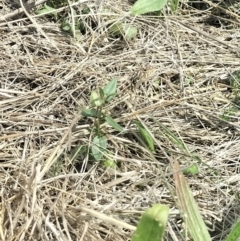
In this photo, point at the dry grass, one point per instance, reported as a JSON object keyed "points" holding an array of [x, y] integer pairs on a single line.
{"points": [[174, 73]]}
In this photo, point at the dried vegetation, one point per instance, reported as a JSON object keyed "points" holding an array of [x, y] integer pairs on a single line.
{"points": [[175, 72]]}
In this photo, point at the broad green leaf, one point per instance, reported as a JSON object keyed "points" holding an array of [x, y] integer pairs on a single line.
{"points": [[147, 6], [192, 170], [95, 99], [130, 32], [152, 224], [47, 10], [99, 147], [235, 233], [42, 11], [146, 137], [89, 113], [113, 123], [110, 89], [189, 208]]}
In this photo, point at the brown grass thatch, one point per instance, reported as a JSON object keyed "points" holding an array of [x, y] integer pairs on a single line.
{"points": [[175, 73]]}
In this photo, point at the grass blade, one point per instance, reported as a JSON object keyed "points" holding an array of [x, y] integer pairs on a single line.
{"points": [[113, 123], [146, 137], [189, 208], [235, 233]]}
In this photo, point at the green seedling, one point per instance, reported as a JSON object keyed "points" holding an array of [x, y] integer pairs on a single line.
{"points": [[152, 224], [98, 100], [73, 26]]}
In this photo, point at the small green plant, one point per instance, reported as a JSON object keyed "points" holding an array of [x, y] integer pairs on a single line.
{"points": [[98, 101], [73, 26]]}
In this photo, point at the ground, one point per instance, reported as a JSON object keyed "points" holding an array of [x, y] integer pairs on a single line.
{"points": [[177, 78]]}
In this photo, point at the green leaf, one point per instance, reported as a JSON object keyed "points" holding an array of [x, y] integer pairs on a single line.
{"points": [[110, 89], [99, 147], [116, 29], [130, 32], [66, 26], [113, 123], [235, 233], [101, 92], [152, 224], [47, 10], [146, 137], [89, 113], [86, 10], [190, 212], [147, 6], [110, 164], [192, 170], [95, 99]]}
